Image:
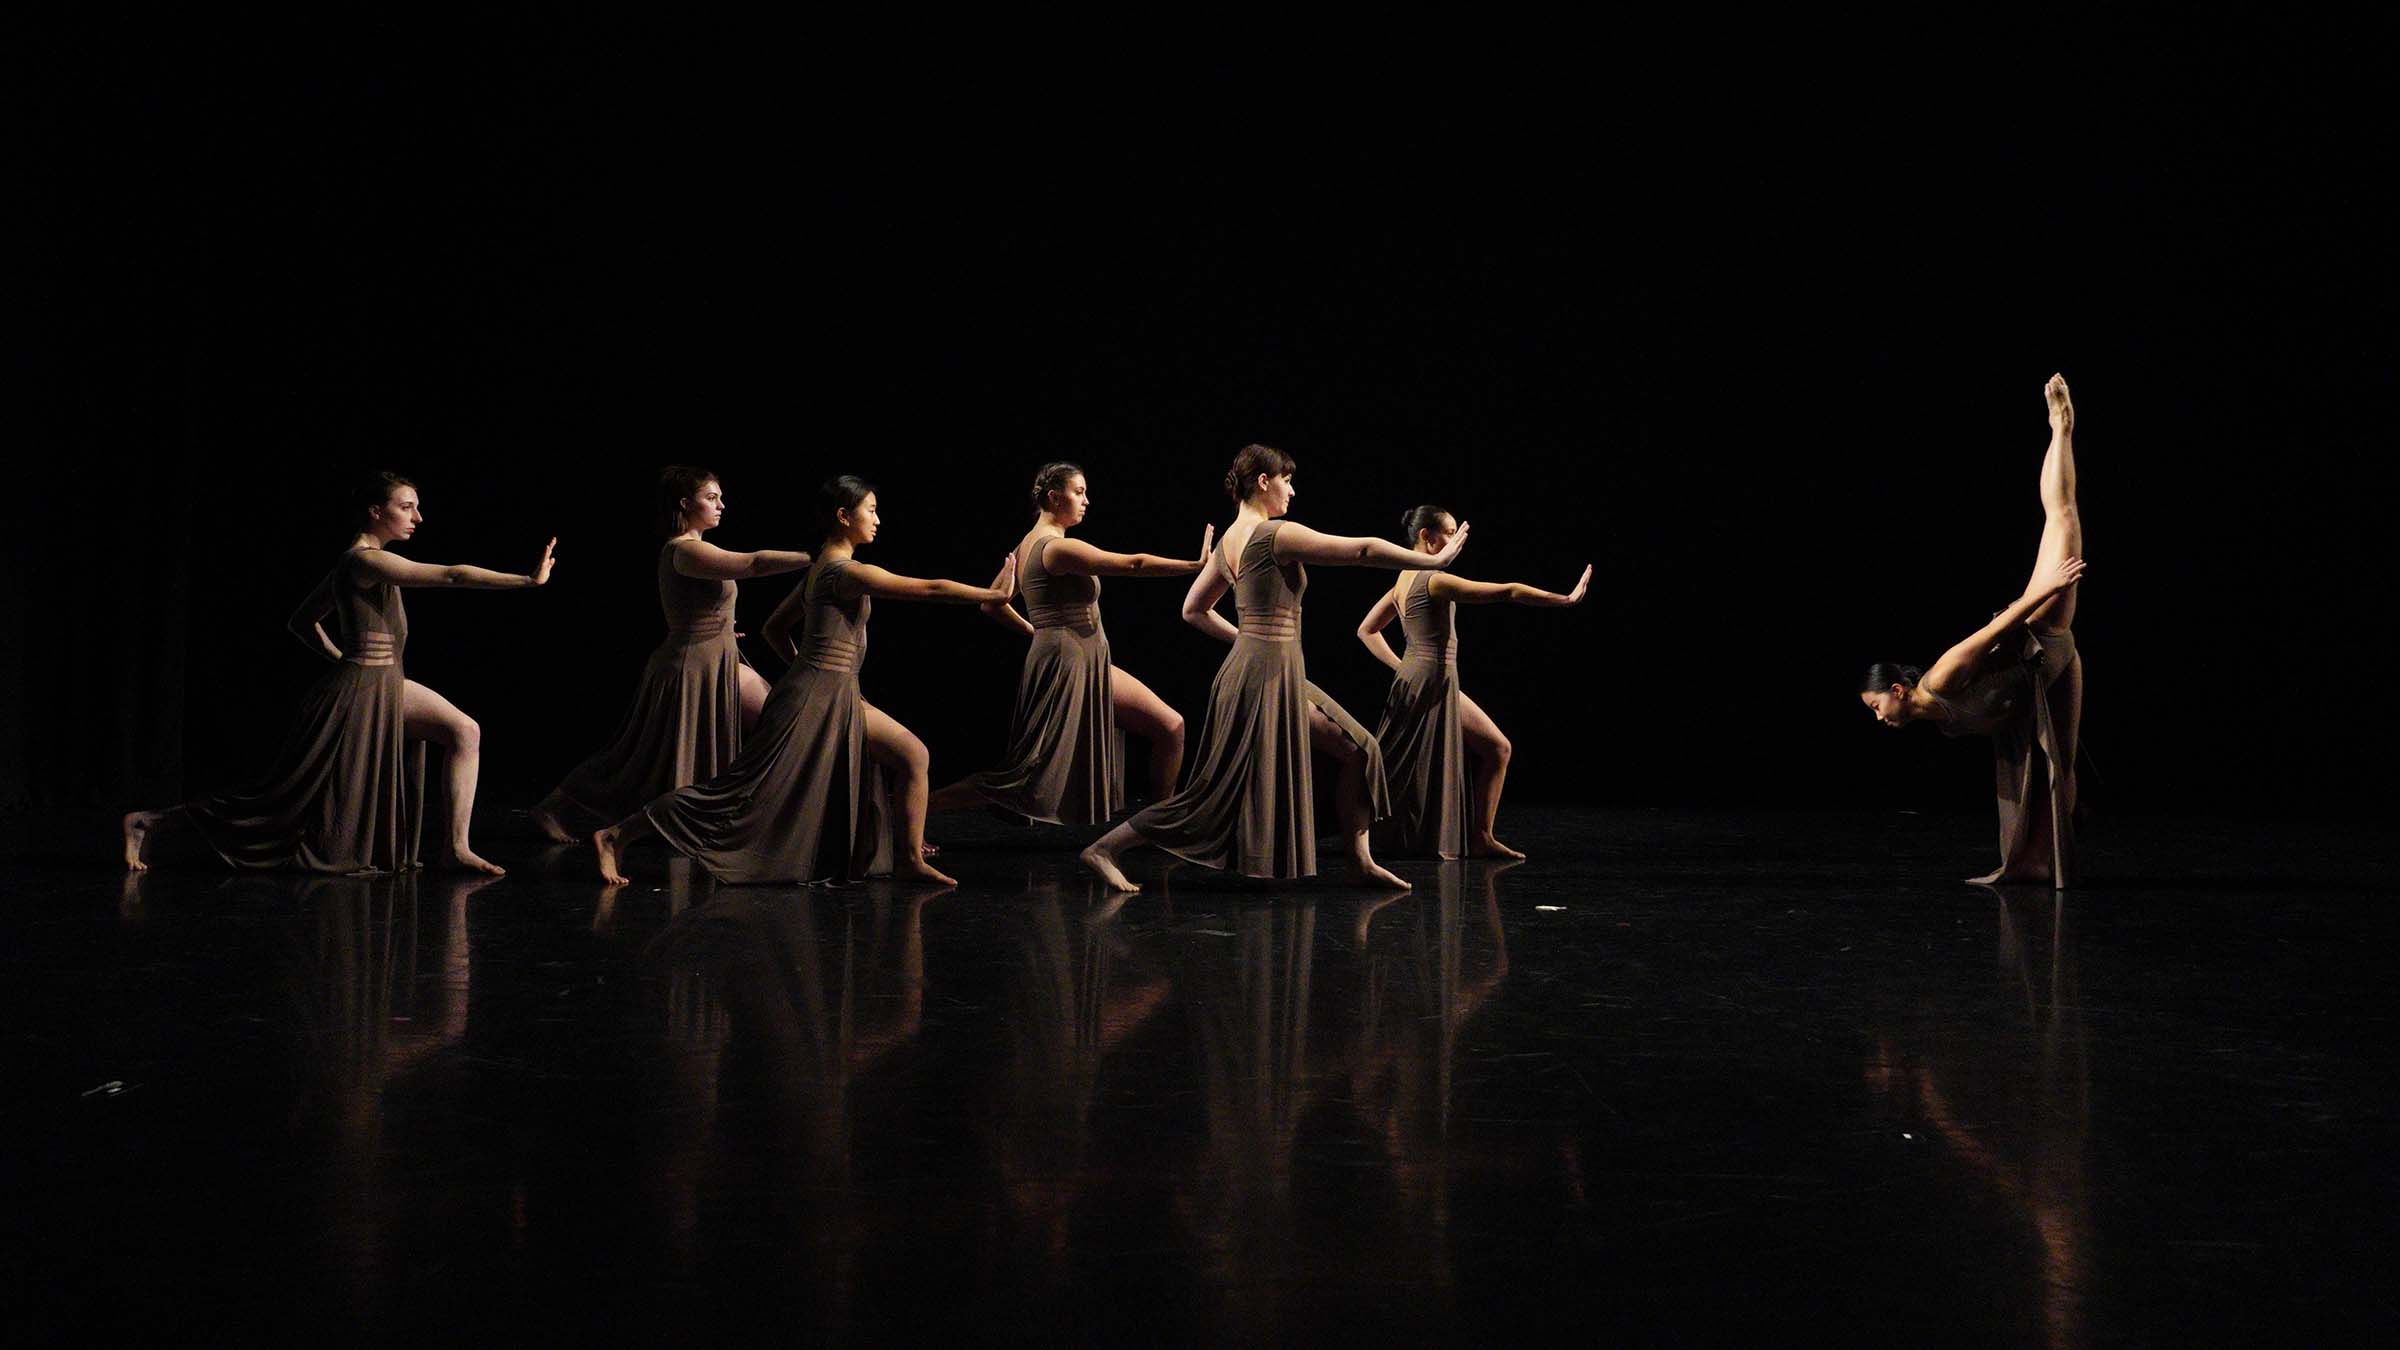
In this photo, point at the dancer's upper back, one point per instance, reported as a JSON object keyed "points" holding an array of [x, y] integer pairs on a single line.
{"points": [[1431, 625], [1267, 593]]}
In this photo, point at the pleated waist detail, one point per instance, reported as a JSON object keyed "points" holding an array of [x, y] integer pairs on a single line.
{"points": [[703, 628], [1271, 625], [1423, 654], [373, 649], [1083, 618], [838, 654]]}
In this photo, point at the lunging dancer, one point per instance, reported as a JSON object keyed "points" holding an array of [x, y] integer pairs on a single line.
{"points": [[2019, 681], [1064, 760], [804, 800], [697, 696], [1246, 804], [347, 791], [1431, 730]]}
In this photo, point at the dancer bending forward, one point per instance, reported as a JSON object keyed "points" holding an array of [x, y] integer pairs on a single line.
{"points": [[1431, 730], [1246, 804], [697, 696], [2019, 681], [346, 794], [1065, 759], [804, 800]]}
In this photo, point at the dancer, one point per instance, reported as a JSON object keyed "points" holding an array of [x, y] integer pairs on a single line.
{"points": [[346, 793], [803, 800], [697, 696], [1246, 804], [2019, 681], [1427, 720], [1065, 748]]}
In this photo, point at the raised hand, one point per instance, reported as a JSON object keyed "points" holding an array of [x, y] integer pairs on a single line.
{"points": [[2053, 577], [1005, 585], [1208, 543], [541, 572], [1582, 584], [1450, 551]]}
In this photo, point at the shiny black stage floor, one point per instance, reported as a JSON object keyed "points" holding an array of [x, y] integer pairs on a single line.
{"points": [[1693, 1078]]}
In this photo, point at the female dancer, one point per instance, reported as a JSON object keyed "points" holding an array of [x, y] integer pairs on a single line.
{"points": [[697, 695], [801, 801], [2018, 680], [1427, 720], [1246, 805], [1064, 754], [341, 798]]}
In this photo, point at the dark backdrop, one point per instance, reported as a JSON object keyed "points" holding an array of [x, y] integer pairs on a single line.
{"points": [[1764, 341]]}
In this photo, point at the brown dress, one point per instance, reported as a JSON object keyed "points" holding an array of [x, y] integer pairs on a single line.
{"points": [[685, 725], [347, 793], [1066, 760], [802, 802], [1424, 751], [2032, 708], [1245, 803]]}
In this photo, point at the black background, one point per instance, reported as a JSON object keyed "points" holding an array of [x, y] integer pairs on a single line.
{"points": [[1757, 323]]}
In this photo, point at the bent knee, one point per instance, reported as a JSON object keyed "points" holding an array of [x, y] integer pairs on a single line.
{"points": [[1170, 728]]}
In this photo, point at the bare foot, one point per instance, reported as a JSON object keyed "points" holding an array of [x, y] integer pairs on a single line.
{"points": [[1490, 847], [465, 857], [137, 828], [547, 821], [917, 869], [1370, 870], [604, 844], [2062, 405], [1106, 866]]}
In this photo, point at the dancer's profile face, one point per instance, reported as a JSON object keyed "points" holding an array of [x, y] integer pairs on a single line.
{"points": [[1071, 503], [1275, 493], [865, 520], [705, 509], [1890, 706], [399, 516], [1436, 537]]}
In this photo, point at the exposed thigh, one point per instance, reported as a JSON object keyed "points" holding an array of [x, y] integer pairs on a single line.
{"points": [[754, 690], [430, 717], [1481, 733], [893, 745], [1138, 709], [1326, 737]]}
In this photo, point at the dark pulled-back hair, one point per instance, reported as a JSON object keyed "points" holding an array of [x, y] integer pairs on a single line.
{"points": [[1884, 674], [1418, 518], [1253, 461], [842, 492], [374, 490], [1052, 477], [676, 484]]}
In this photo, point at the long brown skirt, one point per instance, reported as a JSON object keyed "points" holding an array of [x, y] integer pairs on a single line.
{"points": [[1424, 755], [802, 802], [2033, 761], [1066, 757], [347, 793], [685, 727], [1246, 804]]}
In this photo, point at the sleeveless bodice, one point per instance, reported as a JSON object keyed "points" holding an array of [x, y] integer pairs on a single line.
{"points": [[696, 608], [1267, 593], [1057, 599], [370, 622], [1988, 703], [1430, 625], [835, 635]]}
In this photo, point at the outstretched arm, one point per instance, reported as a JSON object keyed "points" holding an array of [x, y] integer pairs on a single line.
{"points": [[1447, 587], [308, 621], [1081, 559], [1298, 543], [1370, 629], [1200, 604], [699, 558], [384, 565], [883, 585], [1959, 662]]}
